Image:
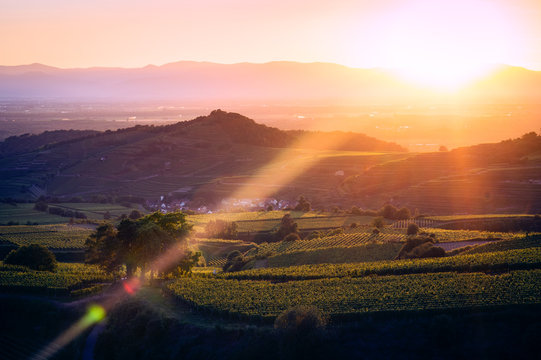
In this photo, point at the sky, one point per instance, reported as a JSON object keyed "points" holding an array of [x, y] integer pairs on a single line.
{"points": [[377, 33]]}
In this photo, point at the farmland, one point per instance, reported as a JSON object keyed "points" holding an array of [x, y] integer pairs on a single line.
{"points": [[348, 273]]}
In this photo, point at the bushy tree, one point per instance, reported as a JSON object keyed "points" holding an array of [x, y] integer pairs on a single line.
{"points": [[388, 211], [287, 226], [34, 256], [303, 205], [413, 229], [378, 223], [402, 214], [355, 210], [135, 214]]}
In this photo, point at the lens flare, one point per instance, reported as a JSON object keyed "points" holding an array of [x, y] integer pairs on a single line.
{"points": [[94, 314]]}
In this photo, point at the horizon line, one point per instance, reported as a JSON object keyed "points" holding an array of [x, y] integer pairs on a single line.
{"points": [[501, 65]]}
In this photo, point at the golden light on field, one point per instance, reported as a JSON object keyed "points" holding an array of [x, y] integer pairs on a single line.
{"points": [[290, 163]]}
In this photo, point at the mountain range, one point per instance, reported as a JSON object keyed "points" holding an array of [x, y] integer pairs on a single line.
{"points": [[279, 81]]}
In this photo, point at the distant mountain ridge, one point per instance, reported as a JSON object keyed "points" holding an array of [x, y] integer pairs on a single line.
{"points": [[273, 81]]}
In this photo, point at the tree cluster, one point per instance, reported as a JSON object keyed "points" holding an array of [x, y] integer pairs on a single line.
{"points": [[141, 243], [66, 213], [420, 247], [303, 205], [388, 212]]}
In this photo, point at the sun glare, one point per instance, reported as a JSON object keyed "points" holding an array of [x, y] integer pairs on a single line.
{"points": [[443, 45]]}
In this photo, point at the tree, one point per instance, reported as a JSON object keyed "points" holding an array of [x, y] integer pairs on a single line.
{"points": [[413, 229], [355, 210], [303, 205], [378, 222], [443, 148], [388, 211], [403, 214], [287, 226], [135, 214], [139, 243], [34, 256]]}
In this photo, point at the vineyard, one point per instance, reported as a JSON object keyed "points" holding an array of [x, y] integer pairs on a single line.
{"points": [[517, 243], [200, 220], [529, 258], [269, 221], [344, 298], [59, 236], [347, 246], [67, 277]]}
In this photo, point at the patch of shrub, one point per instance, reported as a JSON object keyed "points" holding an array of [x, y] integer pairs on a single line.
{"points": [[301, 319]]}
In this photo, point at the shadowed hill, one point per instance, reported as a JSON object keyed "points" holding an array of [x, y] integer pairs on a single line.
{"points": [[498, 177], [27, 142], [149, 161]]}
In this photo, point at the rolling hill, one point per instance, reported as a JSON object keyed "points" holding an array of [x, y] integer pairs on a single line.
{"points": [[213, 151]]}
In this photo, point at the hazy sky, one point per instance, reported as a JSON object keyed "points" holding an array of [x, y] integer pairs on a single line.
{"points": [[377, 33]]}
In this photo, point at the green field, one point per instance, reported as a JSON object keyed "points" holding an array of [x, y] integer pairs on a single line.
{"points": [[350, 297], [59, 236]]}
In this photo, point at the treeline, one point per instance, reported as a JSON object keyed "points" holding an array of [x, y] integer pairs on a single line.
{"points": [[97, 198], [67, 213], [388, 212]]}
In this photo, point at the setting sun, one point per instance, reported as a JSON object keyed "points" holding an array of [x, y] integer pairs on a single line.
{"points": [[447, 45]]}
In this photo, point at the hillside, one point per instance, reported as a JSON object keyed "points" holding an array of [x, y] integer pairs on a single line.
{"points": [[151, 161], [501, 177]]}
